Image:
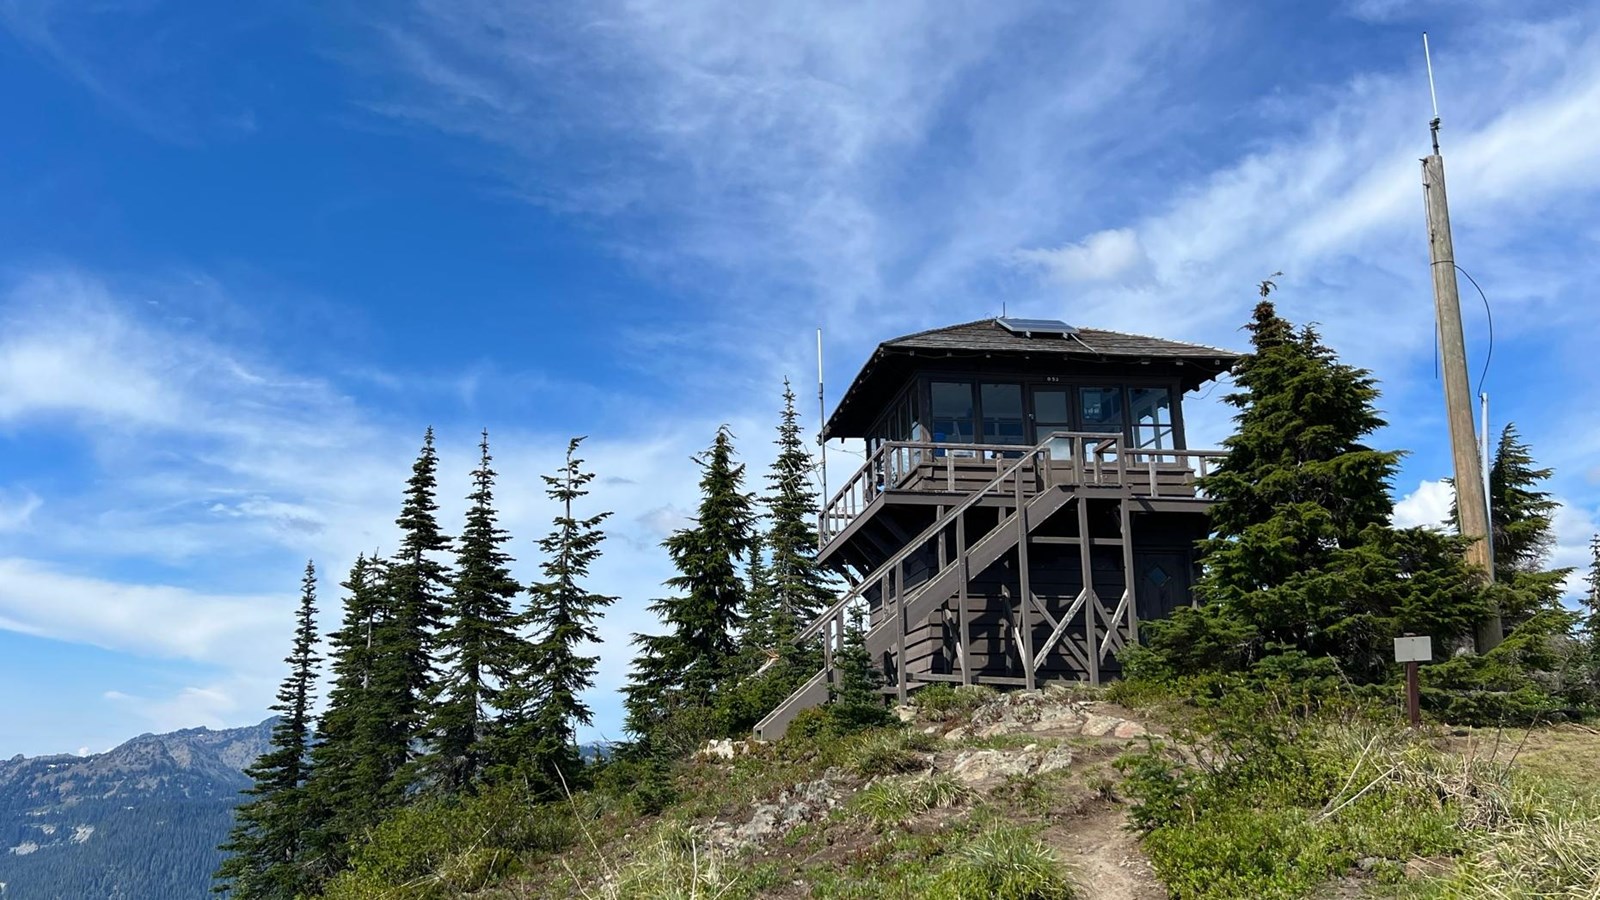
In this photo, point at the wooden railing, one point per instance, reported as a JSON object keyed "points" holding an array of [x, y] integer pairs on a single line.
{"points": [[1066, 458]]}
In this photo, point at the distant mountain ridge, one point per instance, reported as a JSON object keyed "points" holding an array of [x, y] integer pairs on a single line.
{"points": [[138, 822]]}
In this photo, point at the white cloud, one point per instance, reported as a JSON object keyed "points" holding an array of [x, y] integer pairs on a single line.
{"points": [[1113, 255], [153, 620], [1428, 506], [17, 511], [219, 705]]}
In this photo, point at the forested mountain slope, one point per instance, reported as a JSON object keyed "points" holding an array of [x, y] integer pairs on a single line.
{"points": [[140, 821]]}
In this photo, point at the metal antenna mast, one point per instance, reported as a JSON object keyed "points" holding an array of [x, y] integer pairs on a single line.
{"points": [[1472, 509], [822, 444]]}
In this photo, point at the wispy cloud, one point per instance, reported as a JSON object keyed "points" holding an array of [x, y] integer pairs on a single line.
{"points": [[217, 471]]}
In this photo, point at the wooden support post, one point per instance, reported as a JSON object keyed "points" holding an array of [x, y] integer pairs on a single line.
{"points": [[1413, 695], [1025, 593], [838, 637], [1091, 606], [902, 671], [962, 614], [1471, 506], [827, 654], [1127, 574]]}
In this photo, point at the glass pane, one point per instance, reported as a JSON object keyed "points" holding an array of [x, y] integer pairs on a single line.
{"points": [[1152, 417], [1101, 409], [1051, 406], [953, 412], [1002, 414]]}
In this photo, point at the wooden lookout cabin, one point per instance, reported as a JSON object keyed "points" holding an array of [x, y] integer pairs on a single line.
{"points": [[1028, 497]]}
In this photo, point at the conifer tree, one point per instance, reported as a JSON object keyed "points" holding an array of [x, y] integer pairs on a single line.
{"points": [[403, 670], [346, 779], [1524, 534], [544, 700], [856, 701], [1591, 601], [267, 846], [800, 588], [686, 666], [477, 645], [1302, 558], [756, 637]]}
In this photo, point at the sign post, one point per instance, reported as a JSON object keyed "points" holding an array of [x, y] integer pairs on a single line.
{"points": [[1413, 650]]}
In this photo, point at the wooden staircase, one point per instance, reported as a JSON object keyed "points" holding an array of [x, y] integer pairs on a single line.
{"points": [[1033, 501]]}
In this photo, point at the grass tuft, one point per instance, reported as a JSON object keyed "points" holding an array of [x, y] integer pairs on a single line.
{"points": [[1004, 863]]}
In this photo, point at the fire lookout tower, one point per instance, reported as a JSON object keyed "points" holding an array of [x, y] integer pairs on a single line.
{"points": [[1028, 498]]}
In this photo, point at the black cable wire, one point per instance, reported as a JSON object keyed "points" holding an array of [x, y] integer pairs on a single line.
{"points": [[1489, 314]]}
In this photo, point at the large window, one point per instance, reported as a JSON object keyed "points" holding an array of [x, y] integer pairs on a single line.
{"points": [[954, 418], [1152, 418], [1003, 422], [1100, 409]]}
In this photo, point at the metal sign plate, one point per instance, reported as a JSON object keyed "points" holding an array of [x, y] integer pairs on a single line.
{"points": [[1413, 649]]}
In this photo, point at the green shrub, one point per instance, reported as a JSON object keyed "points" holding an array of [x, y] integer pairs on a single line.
{"points": [[1271, 805], [438, 848], [1537, 674]]}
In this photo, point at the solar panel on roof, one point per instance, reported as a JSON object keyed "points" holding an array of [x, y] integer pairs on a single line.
{"points": [[1032, 327]]}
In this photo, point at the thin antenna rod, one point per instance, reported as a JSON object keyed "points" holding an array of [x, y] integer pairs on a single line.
{"points": [[1433, 126], [1487, 463], [822, 444]]}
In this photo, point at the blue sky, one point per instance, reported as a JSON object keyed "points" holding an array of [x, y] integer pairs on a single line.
{"points": [[247, 256]]}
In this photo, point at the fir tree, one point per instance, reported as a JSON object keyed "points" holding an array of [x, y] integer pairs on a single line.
{"points": [[267, 845], [856, 701], [1524, 534], [403, 670], [478, 645], [756, 640], [1302, 558], [1591, 601], [686, 666], [800, 588], [545, 699], [348, 776]]}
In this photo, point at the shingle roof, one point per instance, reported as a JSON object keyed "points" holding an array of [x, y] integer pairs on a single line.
{"points": [[989, 336], [885, 371]]}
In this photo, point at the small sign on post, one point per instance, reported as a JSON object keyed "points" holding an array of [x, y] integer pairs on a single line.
{"points": [[1411, 650]]}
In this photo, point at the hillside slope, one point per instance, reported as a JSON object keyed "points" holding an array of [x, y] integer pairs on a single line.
{"points": [[137, 822]]}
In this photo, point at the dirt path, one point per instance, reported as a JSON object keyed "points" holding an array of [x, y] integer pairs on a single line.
{"points": [[1107, 857]]}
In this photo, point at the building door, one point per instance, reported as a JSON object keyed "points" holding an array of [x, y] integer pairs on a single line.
{"points": [[1052, 411], [1162, 581]]}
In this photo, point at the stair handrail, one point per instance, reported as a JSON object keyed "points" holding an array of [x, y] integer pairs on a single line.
{"points": [[939, 524]]}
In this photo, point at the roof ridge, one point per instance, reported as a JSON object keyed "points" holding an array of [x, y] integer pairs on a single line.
{"points": [[915, 334], [1152, 337]]}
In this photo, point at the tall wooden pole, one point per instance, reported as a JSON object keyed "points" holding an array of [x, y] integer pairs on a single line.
{"points": [[1471, 507]]}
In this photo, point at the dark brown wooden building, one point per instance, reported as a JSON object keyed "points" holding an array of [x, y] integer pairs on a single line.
{"points": [[1027, 499]]}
